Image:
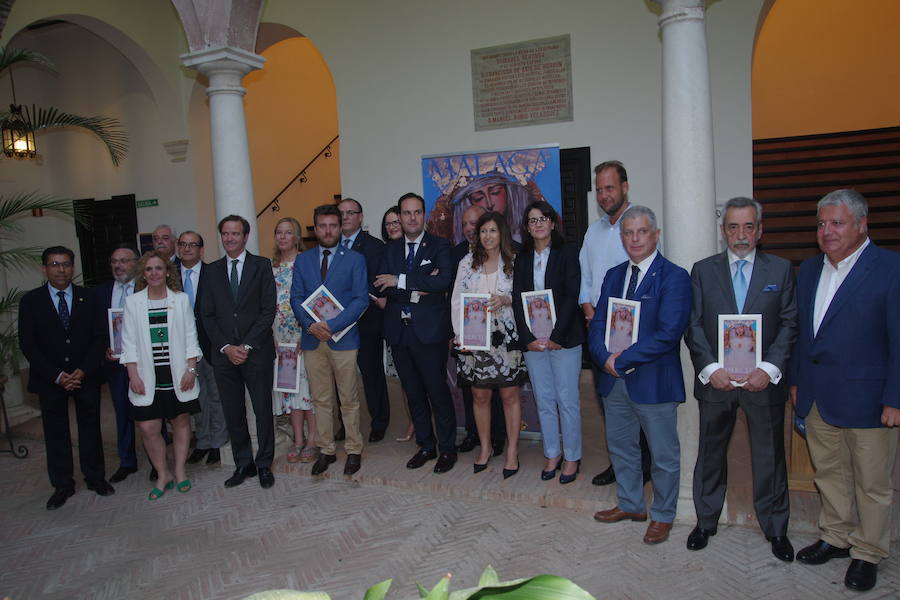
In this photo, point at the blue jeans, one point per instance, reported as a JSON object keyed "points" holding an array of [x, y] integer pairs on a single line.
{"points": [[624, 421], [554, 377]]}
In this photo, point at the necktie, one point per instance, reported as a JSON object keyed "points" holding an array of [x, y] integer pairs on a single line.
{"points": [[323, 270], [740, 284], [123, 294], [235, 284], [632, 283], [189, 285], [411, 257], [64, 311], [346, 243]]}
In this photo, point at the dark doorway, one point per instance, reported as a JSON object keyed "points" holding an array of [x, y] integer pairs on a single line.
{"points": [[575, 179], [106, 223]]}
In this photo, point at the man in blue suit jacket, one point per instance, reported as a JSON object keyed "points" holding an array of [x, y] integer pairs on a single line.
{"points": [[415, 278], [845, 381], [343, 273], [643, 384]]}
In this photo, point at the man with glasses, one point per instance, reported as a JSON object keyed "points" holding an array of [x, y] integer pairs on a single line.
{"points": [[122, 264], [61, 336], [209, 423], [370, 357]]}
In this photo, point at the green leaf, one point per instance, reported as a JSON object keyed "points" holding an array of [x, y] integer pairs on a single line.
{"points": [[10, 56], [108, 129], [14, 208], [378, 591], [441, 591], [489, 577], [288, 595], [423, 593], [536, 588]]}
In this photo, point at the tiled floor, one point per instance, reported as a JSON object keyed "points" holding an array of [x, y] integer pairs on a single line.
{"points": [[341, 535]]}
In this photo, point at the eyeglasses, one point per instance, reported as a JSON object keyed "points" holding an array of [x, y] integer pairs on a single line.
{"points": [[57, 265], [535, 221], [190, 245], [392, 223], [349, 213], [121, 261]]}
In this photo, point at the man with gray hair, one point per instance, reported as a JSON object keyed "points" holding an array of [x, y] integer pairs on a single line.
{"points": [[641, 383], [742, 280], [164, 239], [845, 381]]}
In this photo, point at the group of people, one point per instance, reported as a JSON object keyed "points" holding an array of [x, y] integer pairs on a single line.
{"points": [[831, 343]]}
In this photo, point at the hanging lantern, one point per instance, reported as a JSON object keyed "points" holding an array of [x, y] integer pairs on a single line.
{"points": [[18, 138]]}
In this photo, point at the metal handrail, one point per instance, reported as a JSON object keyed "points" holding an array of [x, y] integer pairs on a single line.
{"points": [[301, 176]]}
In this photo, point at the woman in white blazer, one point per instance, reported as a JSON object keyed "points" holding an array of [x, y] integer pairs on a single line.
{"points": [[160, 350]]}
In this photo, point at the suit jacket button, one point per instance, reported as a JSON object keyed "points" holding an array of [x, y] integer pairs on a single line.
{"points": [[68, 341], [66, 359], [235, 315]]}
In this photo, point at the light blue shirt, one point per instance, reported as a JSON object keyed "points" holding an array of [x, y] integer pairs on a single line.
{"points": [[540, 268], [55, 299], [352, 238]]}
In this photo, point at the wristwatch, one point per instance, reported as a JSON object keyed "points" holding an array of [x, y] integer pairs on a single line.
{"points": [[193, 371]]}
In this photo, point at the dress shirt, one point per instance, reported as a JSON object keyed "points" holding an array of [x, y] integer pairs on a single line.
{"points": [[241, 258], [830, 280], [642, 266], [122, 291], [195, 274], [55, 299], [401, 278], [540, 267], [602, 250], [771, 370], [352, 237]]}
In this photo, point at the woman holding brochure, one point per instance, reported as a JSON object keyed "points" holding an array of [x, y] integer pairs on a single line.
{"points": [[488, 269], [160, 350], [546, 262]]}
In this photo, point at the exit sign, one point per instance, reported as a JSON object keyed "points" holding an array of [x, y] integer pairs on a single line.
{"points": [[148, 202]]}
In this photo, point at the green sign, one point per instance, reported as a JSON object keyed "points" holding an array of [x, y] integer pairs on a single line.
{"points": [[148, 202]]}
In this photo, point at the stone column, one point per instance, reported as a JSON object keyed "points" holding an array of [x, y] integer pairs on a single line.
{"points": [[689, 191], [232, 178]]}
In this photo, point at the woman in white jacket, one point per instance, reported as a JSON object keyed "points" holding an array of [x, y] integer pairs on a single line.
{"points": [[160, 350]]}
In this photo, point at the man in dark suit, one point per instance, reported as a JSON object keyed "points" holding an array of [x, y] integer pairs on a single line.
{"points": [[164, 242], [329, 362], [371, 325], [498, 423], [122, 262], [742, 280], [209, 423], [61, 336], [845, 377], [415, 276], [237, 309], [642, 385]]}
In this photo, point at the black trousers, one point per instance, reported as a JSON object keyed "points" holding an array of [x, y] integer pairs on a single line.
{"points": [[58, 440], [370, 360], [423, 372], [256, 376]]}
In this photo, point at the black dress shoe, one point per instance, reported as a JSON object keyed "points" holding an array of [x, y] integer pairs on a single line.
{"points": [[376, 435], [354, 462], [498, 446], [101, 486], [266, 479], [445, 462], [548, 475], [240, 474], [564, 479], [59, 497], [197, 455], [781, 548], [606, 477], [468, 444], [340, 435], [421, 457], [154, 475], [820, 553], [699, 537], [321, 464], [861, 575], [214, 457], [122, 474]]}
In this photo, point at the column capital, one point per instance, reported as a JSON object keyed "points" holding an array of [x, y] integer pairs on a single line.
{"points": [[680, 10], [223, 58]]}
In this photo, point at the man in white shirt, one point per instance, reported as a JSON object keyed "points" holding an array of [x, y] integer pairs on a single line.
{"points": [[601, 250]]}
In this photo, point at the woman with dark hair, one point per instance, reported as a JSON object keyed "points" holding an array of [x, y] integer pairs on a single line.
{"points": [[288, 242], [390, 224], [488, 269], [160, 350], [546, 262]]}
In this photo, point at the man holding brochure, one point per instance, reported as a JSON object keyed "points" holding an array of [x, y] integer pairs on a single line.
{"points": [[743, 281], [642, 385], [340, 274]]}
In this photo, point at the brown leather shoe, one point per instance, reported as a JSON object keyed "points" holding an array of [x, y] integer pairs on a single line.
{"points": [[614, 515], [657, 532]]}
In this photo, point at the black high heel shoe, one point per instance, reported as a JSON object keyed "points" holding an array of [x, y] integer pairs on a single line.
{"points": [[507, 473], [548, 475], [479, 467], [564, 479]]}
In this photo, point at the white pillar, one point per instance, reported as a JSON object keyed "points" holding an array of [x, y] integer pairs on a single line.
{"points": [[689, 190], [232, 178]]}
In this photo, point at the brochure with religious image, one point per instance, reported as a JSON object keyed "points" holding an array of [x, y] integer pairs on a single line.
{"points": [[623, 318], [739, 349], [540, 312], [115, 319], [287, 374], [475, 322], [321, 305]]}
